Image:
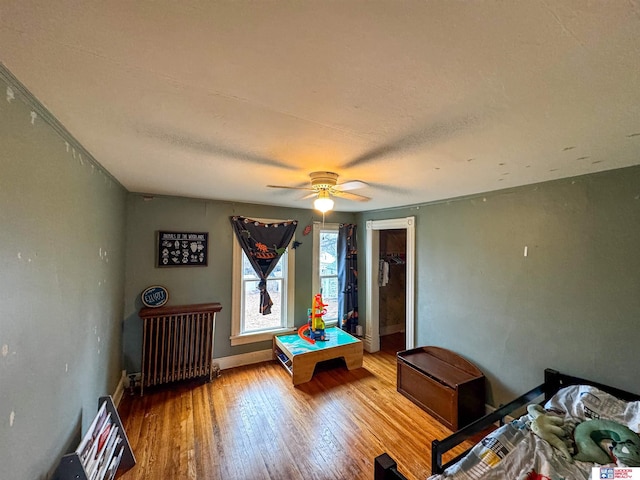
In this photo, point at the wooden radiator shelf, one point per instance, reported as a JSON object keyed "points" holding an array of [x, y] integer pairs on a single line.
{"points": [[177, 343], [443, 384]]}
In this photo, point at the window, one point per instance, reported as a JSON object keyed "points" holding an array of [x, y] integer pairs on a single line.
{"points": [[325, 267], [252, 320], [248, 324]]}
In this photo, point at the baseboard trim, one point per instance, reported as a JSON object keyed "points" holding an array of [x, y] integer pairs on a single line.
{"points": [[244, 359], [391, 329], [117, 395], [222, 362], [490, 409]]}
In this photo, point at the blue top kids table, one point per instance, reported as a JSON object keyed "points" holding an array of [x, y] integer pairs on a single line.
{"points": [[299, 356]]}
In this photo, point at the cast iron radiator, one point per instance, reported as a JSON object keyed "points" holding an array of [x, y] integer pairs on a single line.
{"points": [[177, 343]]}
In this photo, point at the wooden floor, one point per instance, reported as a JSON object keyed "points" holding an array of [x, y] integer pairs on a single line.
{"points": [[252, 424]]}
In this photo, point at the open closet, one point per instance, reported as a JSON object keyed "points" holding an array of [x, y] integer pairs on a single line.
{"points": [[399, 249], [392, 274]]}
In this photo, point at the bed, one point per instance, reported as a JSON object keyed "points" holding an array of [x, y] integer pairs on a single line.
{"points": [[512, 450]]}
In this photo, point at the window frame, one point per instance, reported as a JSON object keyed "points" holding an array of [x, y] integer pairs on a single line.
{"points": [[318, 227], [238, 337]]}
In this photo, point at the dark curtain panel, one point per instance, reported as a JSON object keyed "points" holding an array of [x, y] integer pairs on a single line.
{"points": [[348, 276], [264, 244]]}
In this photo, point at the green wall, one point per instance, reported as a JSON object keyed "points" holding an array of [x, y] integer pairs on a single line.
{"points": [[186, 285], [61, 286], [572, 304]]}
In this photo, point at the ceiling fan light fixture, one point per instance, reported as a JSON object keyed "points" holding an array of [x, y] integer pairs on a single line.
{"points": [[323, 203]]}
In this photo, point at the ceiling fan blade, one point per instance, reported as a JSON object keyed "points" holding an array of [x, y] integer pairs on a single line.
{"points": [[289, 188], [389, 188], [311, 195], [350, 196], [351, 185], [209, 147], [421, 137]]}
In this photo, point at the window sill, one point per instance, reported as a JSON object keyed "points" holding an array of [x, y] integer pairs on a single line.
{"points": [[258, 337]]}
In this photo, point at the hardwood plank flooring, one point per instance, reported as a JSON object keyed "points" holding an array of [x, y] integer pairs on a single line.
{"points": [[253, 424]]}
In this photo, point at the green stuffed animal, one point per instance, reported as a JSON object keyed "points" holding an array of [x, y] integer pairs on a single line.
{"points": [[625, 442], [549, 428]]}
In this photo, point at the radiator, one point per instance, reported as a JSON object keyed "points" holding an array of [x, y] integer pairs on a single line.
{"points": [[177, 343]]}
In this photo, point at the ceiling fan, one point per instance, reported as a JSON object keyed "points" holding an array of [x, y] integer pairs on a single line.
{"points": [[324, 185]]}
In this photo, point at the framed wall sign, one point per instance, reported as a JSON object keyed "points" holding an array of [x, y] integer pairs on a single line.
{"points": [[182, 249], [155, 296]]}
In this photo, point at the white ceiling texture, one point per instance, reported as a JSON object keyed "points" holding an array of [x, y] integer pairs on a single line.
{"points": [[422, 100]]}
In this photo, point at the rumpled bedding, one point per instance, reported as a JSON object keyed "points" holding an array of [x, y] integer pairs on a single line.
{"points": [[514, 452]]}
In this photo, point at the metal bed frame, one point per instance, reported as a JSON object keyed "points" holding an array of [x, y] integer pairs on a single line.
{"points": [[385, 468]]}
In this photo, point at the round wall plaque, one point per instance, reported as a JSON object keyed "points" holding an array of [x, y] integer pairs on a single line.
{"points": [[155, 296]]}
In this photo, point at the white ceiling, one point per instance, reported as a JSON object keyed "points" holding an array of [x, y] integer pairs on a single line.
{"points": [[423, 100]]}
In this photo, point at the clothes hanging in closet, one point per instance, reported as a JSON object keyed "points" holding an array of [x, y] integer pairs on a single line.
{"points": [[383, 273]]}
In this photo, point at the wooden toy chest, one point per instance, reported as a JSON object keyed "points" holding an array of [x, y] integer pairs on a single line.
{"points": [[442, 383]]}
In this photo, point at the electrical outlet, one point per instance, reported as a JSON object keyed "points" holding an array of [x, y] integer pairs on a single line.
{"points": [[133, 379]]}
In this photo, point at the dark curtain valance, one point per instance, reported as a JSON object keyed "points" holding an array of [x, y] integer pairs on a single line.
{"points": [[264, 244], [348, 276]]}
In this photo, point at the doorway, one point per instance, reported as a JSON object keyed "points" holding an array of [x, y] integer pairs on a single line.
{"points": [[373, 294], [392, 289]]}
